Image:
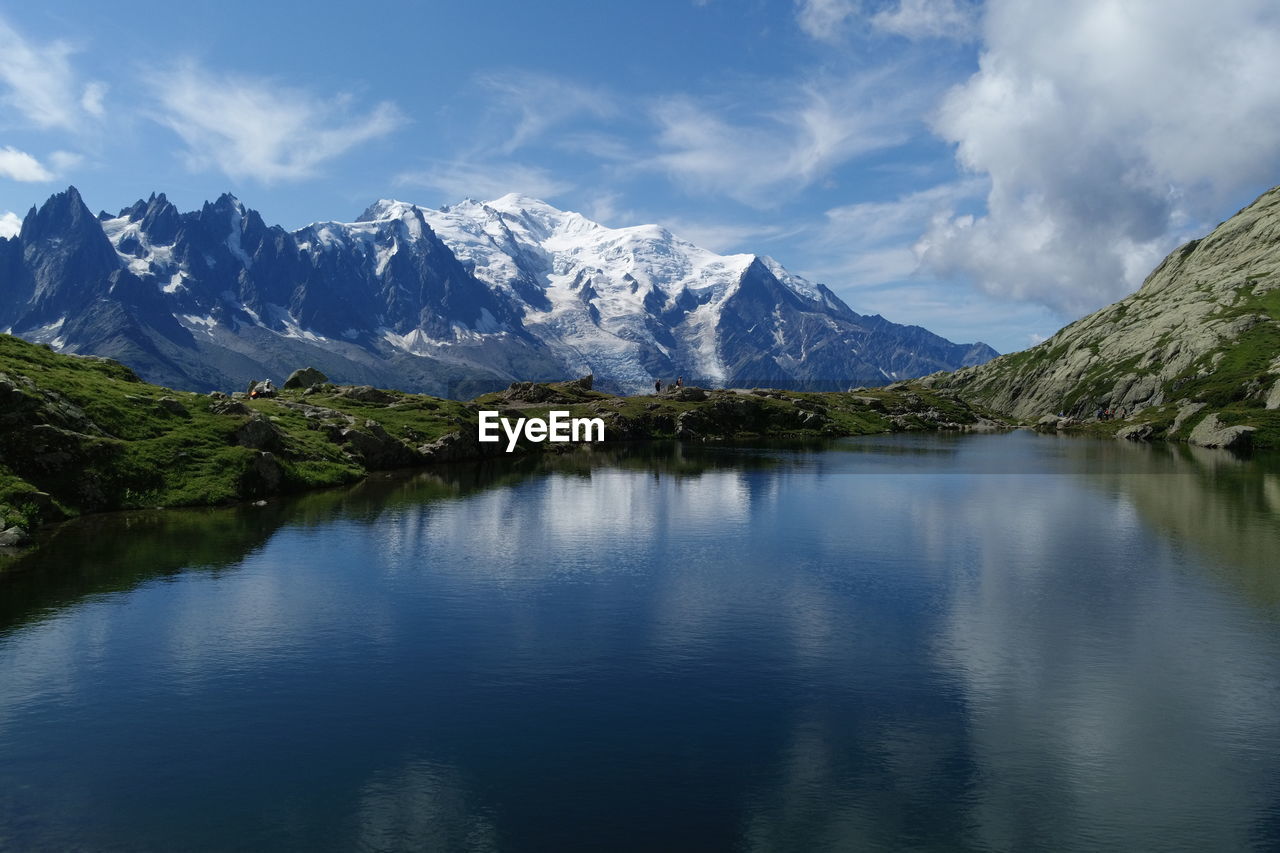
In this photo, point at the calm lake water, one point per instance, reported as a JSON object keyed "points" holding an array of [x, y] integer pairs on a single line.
{"points": [[1005, 642]]}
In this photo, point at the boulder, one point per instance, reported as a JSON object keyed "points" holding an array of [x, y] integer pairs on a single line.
{"points": [[367, 394], [1212, 432], [686, 393], [689, 425], [14, 537], [1184, 414], [1048, 423], [1136, 432], [584, 383], [813, 420], [173, 407], [1273, 398], [460, 446], [258, 433], [263, 476], [377, 448], [226, 406], [305, 378]]}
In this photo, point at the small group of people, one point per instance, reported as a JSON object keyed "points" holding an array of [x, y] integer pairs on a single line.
{"points": [[1110, 414], [657, 384]]}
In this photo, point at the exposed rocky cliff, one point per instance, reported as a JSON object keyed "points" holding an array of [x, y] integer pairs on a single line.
{"points": [[451, 301], [1200, 339]]}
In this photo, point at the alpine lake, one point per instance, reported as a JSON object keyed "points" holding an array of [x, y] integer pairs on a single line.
{"points": [[921, 642]]}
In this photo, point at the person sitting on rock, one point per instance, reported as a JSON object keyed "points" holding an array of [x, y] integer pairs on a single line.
{"points": [[657, 386], [679, 381]]}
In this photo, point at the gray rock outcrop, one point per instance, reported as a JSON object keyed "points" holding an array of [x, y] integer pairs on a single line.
{"points": [[1165, 343], [1212, 432], [305, 378]]}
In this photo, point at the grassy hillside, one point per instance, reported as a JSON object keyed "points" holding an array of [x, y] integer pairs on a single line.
{"points": [[84, 435]]}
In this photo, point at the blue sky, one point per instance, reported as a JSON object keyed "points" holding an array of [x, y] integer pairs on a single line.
{"points": [[989, 170]]}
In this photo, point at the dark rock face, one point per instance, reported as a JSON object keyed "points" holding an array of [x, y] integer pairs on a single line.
{"points": [[212, 298], [14, 537], [377, 449], [258, 434], [460, 446], [263, 476], [825, 347]]}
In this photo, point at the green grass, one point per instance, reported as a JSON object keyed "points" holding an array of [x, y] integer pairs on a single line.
{"points": [[116, 444]]}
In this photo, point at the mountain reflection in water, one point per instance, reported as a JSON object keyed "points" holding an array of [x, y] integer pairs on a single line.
{"points": [[1006, 642]]}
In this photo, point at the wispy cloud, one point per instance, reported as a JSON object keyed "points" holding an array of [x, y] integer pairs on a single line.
{"points": [[38, 82], [534, 103], [774, 153], [92, 99], [723, 236], [870, 244], [20, 166], [826, 20], [254, 128], [900, 220], [834, 21], [929, 19], [456, 180]]}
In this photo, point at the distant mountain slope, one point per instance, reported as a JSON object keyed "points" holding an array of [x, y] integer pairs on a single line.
{"points": [[1201, 336], [448, 301]]}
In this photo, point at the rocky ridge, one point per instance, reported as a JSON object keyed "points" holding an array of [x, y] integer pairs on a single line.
{"points": [[451, 302], [1194, 354]]}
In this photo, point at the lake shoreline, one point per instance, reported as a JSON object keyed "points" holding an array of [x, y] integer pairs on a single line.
{"points": [[85, 435]]}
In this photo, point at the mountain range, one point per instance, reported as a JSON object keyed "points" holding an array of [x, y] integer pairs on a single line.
{"points": [[450, 301]]}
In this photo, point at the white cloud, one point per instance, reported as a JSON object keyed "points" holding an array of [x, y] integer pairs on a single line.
{"points": [[1108, 132], [928, 19], [38, 82], [456, 180], [20, 166], [759, 158], [251, 128], [898, 221], [869, 244], [10, 224], [541, 101], [826, 20]]}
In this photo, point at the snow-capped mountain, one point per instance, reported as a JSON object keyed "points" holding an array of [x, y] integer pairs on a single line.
{"points": [[447, 301]]}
